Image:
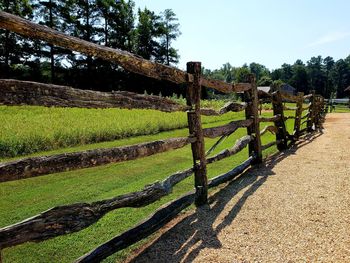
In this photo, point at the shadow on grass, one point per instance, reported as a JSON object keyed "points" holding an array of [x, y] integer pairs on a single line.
{"points": [[187, 237]]}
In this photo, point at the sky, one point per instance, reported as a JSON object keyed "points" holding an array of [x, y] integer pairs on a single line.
{"points": [[269, 32]]}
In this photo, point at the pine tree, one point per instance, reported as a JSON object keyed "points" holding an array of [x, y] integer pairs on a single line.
{"points": [[147, 31], [54, 14], [13, 48], [86, 21], [170, 32]]}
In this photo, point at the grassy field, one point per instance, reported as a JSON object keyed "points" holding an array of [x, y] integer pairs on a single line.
{"points": [[341, 108], [30, 129], [25, 198]]}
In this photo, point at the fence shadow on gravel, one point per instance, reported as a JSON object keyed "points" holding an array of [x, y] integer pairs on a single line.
{"points": [[176, 242]]}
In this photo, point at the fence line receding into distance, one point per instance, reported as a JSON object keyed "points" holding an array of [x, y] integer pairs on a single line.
{"points": [[75, 217]]}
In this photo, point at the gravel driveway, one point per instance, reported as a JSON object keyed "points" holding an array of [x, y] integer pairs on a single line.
{"points": [[294, 208]]}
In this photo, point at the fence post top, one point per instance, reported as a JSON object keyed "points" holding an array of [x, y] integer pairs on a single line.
{"points": [[194, 67]]}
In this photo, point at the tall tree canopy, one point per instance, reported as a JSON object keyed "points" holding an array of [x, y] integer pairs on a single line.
{"points": [[324, 75], [112, 23], [116, 23]]}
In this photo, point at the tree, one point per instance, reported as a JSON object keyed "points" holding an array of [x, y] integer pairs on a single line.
{"points": [[277, 83], [276, 74], [228, 72], [147, 31], [299, 78], [286, 72], [342, 76], [328, 67], [13, 48], [86, 21], [265, 81], [170, 32], [242, 73], [258, 70], [122, 30], [54, 14], [316, 74], [105, 9]]}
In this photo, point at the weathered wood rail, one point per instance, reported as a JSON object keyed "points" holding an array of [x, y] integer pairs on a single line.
{"points": [[17, 92], [35, 166], [75, 217]]}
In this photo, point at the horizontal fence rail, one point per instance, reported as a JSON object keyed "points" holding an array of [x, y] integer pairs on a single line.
{"points": [[226, 129], [71, 218], [16, 92], [35, 166]]}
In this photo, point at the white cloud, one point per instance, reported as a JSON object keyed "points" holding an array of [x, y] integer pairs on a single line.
{"points": [[329, 38]]}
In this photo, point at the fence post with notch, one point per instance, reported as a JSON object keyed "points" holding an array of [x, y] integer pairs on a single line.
{"points": [[193, 98], [298, 115], [312, 109], [251, 112], [281, 134]]}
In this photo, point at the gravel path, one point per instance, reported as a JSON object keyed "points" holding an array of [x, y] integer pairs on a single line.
{"points": [[295, 208]]}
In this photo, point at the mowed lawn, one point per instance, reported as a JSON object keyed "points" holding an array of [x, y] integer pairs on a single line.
{"points": [[25, 198]]}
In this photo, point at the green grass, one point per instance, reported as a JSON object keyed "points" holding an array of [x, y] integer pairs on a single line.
{"points": [[212, 104], [341, 109], [25, 198], [30, 129]]}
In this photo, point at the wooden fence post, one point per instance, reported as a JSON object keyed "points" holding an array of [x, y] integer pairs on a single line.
{"points": [[281, 134], [195, 128], [298, 114], [318, 112], [251, 112], [323, 111], [311, 118]]}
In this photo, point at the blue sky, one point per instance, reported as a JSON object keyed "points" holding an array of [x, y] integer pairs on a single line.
{"points": [[270, 32]]}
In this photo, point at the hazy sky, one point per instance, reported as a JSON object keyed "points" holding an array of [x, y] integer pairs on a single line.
{"points": [[269, 32]]}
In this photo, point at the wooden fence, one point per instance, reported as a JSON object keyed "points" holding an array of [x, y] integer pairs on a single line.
{"points": [[71, 218]]}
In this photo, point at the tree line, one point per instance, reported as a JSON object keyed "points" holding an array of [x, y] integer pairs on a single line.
{"points": [[113, 23], [324, 75], [117, 24]]}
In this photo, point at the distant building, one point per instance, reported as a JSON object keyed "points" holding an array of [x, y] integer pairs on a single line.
{"points": [[288, 89], [348, 89], [266, 89]]}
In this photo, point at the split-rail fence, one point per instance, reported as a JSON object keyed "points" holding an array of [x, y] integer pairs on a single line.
{"points": [[66, 219]]}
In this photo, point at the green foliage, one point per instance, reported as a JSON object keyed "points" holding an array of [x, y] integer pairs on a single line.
{"points": [[106, 22], [265, 81], [325, 76], [147, 32], [13, 48], [259, 70], [169, 31], [278, 83], [241, 74], [155, 35]]}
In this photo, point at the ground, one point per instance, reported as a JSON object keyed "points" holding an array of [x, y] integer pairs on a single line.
{"points": [[293, 208]]}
